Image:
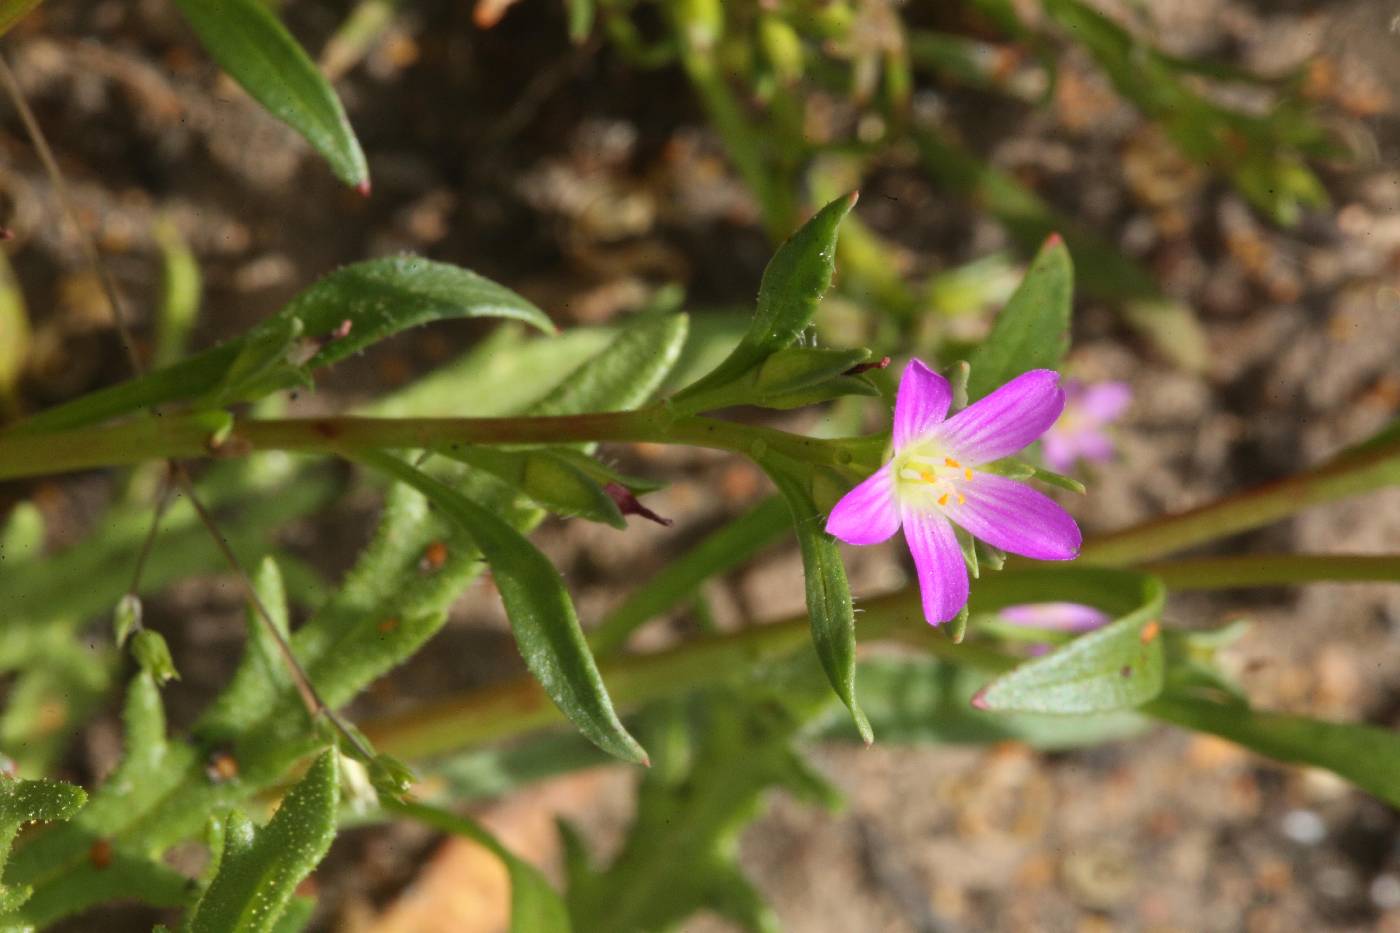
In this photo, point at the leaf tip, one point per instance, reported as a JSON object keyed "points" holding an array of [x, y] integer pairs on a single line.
{"points": [[363, 188], [979, 700], [851, 199], [1054, 240]]}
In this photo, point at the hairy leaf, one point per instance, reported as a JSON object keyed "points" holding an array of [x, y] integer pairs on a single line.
{"points": [[259, 869], [541, 613], [793, 284]]}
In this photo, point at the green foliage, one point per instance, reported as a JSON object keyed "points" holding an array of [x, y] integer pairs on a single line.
{"points": [[151, 652], [179, 294], [251, 44], [1367, 756], [924, 700], [378, 298], [21, 803], [1032, 331], [541, 613], [1119, 666], [552, 481], [793, 284], [716, 757], [259, 869], [828, 593], [535, 907]]}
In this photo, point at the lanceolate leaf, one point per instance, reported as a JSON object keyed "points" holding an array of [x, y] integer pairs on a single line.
{"points": [[540, 610], [552, 481], [260, 868], [377, 298], [828, 592], [1032, 331], [21, 803], [535, 907], [625, 373], [248, 41], [1117, 667], [793, 284]]}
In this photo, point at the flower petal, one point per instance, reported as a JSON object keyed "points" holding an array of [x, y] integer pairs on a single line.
{"points": [[939, 561], [1016, 518], [1005, 421], [922, 403], [1064, 617], [1104, 401], [867, 514]]}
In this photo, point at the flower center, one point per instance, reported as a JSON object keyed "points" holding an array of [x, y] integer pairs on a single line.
{"points": [[927, 477]]}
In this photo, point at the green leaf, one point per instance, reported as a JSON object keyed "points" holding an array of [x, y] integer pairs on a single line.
{"points": [[923, 700], [378, 298], [1119, 666], [251, 44], [581, 14], [554, 482], [21, 803], [541, 613], [1032, 331], [1367, 756], [535, 907], [829, 606], [22, 538], [793, 285], [260, 868], [625, 373], [12, 11], [180, 292]]}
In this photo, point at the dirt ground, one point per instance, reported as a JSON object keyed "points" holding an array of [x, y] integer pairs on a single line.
{"points": [[586, 189]]}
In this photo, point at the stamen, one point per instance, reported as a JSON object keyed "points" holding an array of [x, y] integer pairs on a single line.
{"points": [[951, 462], [968, 473], [962, 499], [943, 499], [928, 476]]}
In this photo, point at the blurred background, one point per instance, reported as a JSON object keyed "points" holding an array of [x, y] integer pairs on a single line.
{"points": [[1225, 173]]}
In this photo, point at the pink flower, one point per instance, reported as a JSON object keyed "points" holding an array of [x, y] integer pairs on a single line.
{"points": [[932, 482], [1058, 617], [1079, 434]]}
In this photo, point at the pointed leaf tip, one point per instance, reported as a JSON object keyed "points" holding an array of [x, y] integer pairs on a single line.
{"points": [[979, 700], [363, 188], [1054, 239]]}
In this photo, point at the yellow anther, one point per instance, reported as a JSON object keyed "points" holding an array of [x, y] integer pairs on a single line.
{"points": [[928, 476], [943, 499], [968, 473], [951, 462], [962, 499]]}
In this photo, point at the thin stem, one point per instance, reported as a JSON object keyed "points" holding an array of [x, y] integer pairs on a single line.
{"points": [[167, 488], [60, 187], [1343, 476], [1217, 573]]}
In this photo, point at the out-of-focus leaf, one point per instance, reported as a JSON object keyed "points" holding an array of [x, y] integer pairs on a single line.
{"points": [[723, 550], [260, 868], [377, 298], [12, 11], [541, 613], [251, 44], [828, 593], [14, 319], [179, 294], [22, 538], [552, 481], [80, 863], [922, 700], [581, 14], [626, 372], [261, 673], [1367, 756], [151, 652], [535, 907], [1032, 331], [1172, 328], [1117, 667], [793, 284], [716, 757]]}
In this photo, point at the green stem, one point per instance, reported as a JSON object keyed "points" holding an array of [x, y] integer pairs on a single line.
{"points": [[1217, 573], [1347, 475], [209, 434]]}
